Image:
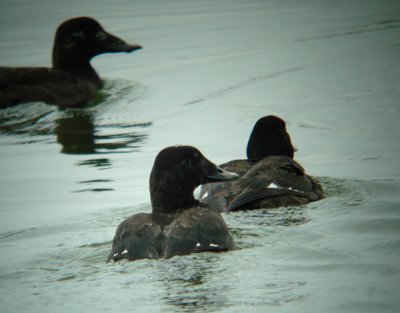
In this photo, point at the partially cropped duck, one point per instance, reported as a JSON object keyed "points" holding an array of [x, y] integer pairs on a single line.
{"points": [[270, 178], [179, 224], [71, 81]]}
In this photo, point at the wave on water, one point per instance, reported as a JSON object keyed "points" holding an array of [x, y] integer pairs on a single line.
{"points": [[276, 244], [358, 29], [252, 80]]}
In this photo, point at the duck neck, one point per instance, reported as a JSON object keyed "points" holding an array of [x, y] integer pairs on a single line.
{"points": [[80, 68], [171, 201], [279, 145]]}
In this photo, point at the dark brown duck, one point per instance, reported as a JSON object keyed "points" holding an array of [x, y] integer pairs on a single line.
{"points": [[270, 178], [71, 81], [179, 224]]}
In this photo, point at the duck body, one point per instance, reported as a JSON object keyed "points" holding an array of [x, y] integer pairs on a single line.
{"points": [[71, 81], [239, 167], [179, 224], [140, 236], [269, 178], [195, 230], [21, 85], [273, 182], [155, 236]]}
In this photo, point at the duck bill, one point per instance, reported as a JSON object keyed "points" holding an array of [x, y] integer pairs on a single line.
{"points": [[107, 42], [221, 175]]}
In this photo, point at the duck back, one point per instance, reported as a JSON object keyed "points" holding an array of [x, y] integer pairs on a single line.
{"points": [[272, 182]]}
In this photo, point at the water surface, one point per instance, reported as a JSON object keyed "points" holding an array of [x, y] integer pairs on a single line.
{"points": [[207, 72]]}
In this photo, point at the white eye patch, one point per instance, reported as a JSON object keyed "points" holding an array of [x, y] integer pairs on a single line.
{"points": [[101, 35], [78, 35]]}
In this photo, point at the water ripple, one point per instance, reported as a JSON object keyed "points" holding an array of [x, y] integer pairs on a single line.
{"points": [[80, 131], [359, 29]]}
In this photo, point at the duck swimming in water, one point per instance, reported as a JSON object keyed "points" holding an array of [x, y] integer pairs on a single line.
{"points": [[270, 178], [71, 81], [179, 224]]}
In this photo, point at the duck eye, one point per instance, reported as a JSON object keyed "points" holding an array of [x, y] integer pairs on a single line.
{"points": [[196, 156]]}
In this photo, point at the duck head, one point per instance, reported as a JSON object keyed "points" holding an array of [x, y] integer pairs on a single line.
{"points": [[176, 172], [78, 40], [269, 137]]}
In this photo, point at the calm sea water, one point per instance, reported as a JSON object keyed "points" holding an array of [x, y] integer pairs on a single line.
{"points": [[208, 71]]}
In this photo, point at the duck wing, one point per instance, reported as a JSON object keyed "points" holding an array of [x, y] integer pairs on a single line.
{"points": [[216, 195], [238, 166], [138, 237], [254, 192], [197, 230], [273, 177]]}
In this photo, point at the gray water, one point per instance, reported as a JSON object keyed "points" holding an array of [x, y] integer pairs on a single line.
{"points": [[208, 71]]}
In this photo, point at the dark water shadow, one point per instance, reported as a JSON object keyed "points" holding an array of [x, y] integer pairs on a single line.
{"points": [[95, 132], [78, 131], [77, 134]]}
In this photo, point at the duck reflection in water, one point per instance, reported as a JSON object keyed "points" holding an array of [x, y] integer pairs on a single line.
{"points": [[77, 134]]}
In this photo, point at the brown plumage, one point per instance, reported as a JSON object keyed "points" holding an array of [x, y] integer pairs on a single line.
{"points": [[270, 178], [71, 81]]}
